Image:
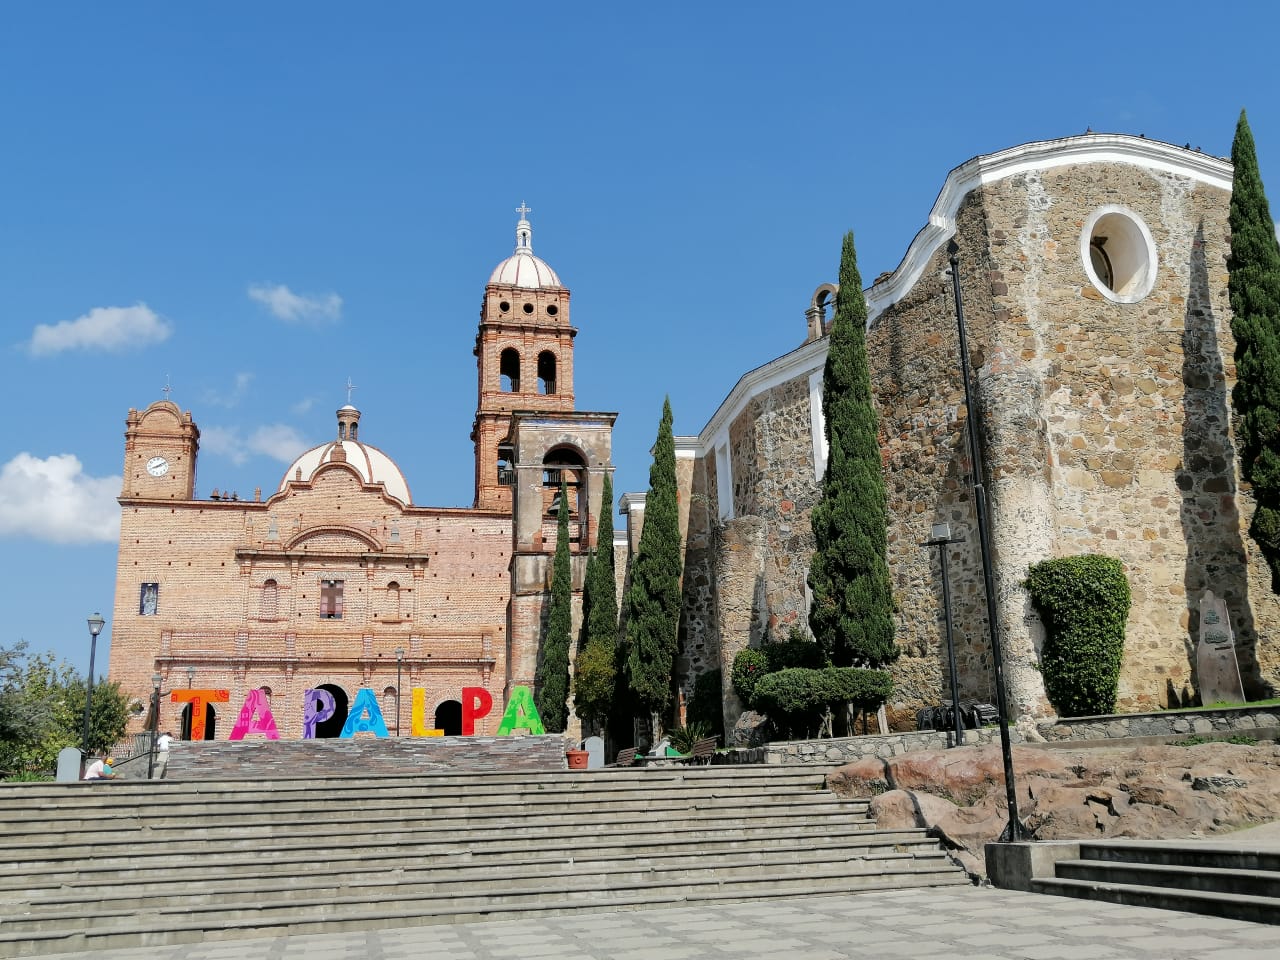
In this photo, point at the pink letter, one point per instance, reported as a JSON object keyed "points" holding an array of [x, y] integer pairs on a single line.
{"points": [[255, 717]]}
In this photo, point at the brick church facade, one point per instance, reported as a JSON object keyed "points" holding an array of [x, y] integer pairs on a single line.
{"points": [[336, 580]]}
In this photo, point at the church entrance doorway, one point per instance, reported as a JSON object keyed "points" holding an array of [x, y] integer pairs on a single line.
{"points": [[449, 718], [331, 729]]}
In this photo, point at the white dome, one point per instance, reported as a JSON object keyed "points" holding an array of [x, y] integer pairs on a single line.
{"points": [[525, 270], [522, 268], [372, 464]]}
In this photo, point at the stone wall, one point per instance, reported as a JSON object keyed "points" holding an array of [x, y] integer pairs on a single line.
{"points": [[288, 759], [1107, 429]]}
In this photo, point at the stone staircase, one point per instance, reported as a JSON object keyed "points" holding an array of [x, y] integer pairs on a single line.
{"points": [[90, 866], [1197, 878]]}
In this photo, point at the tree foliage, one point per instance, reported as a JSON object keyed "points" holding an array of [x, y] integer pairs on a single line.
{"points": [[653, 598], [1254, 287], [706, 704], [1084, 604], [594, 683], [852, 611], [797, 698], [552, 678], [42, 711]]}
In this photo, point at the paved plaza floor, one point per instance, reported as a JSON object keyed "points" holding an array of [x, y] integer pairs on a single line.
{"points": [[957, 923]]}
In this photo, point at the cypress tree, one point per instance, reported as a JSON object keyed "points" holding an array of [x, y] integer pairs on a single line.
{"points": [[852, 611], [1254, 287], [653, 599], [552, 679], [594, 683]]}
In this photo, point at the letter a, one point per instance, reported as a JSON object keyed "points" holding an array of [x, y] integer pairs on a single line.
{"points": [[357, 722], [255, 717], [521, 714]]}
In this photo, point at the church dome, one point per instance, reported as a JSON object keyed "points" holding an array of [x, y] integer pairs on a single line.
{"points": [[372, 464], [522, 268]]}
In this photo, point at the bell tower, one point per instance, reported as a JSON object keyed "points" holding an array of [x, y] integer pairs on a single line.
{"points": [[524, 360], [160, 446]]}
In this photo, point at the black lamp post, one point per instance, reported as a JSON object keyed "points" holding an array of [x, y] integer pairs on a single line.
{"points": [[399, 665], [96, 623], [984, 541], [940, 537], [155, 722]]}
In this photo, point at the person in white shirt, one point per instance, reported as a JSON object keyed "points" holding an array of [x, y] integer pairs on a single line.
{"points": [[162, 743], [100, 769]]}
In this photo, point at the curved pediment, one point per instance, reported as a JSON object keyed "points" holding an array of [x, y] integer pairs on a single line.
{"points": [[332, 538]]}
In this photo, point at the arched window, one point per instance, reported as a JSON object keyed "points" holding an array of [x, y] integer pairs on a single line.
{"points": [[389, 712], [266, 692], [546, 372], [568, 465], [506, 470], [354, 429], [509, 370], [270, 601], [393, 600]]}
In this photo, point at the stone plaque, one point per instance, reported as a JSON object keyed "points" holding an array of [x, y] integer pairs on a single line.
{"points": [[595, 752], [1216, 664], [68, 765]]}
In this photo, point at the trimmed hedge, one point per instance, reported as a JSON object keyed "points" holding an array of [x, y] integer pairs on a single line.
{"points": [[1084, 604], [797, 698]]}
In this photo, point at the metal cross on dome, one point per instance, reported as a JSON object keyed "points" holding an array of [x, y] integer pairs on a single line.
{"points": [[166, 389], [350, 386], [524, 210]]}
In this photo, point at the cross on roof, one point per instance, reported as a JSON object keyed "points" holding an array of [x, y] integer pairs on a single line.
{"points": [[524, 210], [350, 386], [166, 389]]}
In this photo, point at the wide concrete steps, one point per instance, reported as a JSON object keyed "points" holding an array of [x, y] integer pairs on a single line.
{"points": [[1196, 878], [126, 864]]}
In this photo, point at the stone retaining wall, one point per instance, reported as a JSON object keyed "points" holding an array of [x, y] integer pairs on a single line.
{"points": [[1259, 722], [276, 759]]}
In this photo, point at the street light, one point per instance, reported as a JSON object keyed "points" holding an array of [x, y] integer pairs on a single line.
{"points": [[399, 665], [972, 420], [940, 537], [155, 722], [96, 623]]}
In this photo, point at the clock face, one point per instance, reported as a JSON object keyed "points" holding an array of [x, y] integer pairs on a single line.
{"points": [[157, 466]]}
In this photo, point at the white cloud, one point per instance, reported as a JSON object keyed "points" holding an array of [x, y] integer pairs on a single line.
{"points": [[102, 328], [278, 441], [303, 406], [275, 440], [230, 399], [54, 500], [292, 307]]}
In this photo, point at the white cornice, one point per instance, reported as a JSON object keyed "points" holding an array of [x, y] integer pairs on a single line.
{"points": [[1041, 155]]}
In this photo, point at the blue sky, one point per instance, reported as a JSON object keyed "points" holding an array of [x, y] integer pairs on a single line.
{"points": [[259, 201]]}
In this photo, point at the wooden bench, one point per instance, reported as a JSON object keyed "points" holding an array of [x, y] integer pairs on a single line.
{"points": [[626, 758], [702, 752]]}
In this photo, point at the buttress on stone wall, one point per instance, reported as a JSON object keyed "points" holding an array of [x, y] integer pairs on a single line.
{"points": [[1094, 282]]}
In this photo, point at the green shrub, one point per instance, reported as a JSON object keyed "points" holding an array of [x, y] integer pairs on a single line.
{"points": [[706, 704], [796, 699], [1084, 603], [798, 650], [748, 667], [682, 738]]}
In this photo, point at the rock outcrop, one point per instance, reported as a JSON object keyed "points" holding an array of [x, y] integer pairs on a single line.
{"points": [[1143, 792]]}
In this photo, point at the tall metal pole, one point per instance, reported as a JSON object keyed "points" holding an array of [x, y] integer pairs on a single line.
{"points": [[984, 540], [95, 627]]}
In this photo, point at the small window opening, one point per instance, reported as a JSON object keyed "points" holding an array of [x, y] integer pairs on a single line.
{"points": [[552, 310], [546, 372], [393, 599], [1101, 262], [331, 599], [149, 600], [354, 428], [528, 308], [509, 370]]}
